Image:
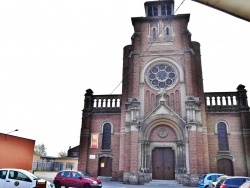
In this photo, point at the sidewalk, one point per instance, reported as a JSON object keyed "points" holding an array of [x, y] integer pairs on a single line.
{"points": [[45, 175], [151, 184]]}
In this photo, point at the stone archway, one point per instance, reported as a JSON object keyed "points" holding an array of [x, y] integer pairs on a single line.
{"points": [[163, 149]]}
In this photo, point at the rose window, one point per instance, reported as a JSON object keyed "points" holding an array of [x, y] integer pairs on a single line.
{"points": [[162, 76]]}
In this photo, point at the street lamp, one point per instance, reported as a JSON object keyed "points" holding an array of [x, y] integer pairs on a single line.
{"points": [[10, 132]]}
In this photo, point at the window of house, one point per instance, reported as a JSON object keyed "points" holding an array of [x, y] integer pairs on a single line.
{"points": [[70, 165], [74, 154], [222, 136], [152, 11], [106, 136]]}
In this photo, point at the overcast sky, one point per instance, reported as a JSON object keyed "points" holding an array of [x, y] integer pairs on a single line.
{"points": [[51, 51]]}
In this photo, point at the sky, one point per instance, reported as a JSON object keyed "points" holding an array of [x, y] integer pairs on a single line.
{"points": [[52, 51]]}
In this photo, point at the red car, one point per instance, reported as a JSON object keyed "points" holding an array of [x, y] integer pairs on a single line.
{"points": [[70, 178]]}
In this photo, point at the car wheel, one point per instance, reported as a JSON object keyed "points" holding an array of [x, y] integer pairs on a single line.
{"points": [[58, 185], [86, 186]]}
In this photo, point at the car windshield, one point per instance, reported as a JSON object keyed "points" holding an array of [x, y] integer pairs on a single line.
{"points": [[32, 176], [85, 174], [219, 178]]}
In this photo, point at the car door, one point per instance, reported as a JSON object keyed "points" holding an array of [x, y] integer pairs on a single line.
{"points": [[17, 179], [65, 178], [77, 179]]}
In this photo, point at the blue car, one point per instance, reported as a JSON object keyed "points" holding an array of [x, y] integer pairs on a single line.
{"points": [[207, 178]]}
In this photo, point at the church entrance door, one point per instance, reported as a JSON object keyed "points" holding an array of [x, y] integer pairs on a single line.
{"points": [[225, 166], [105, 166], [163, 164]]}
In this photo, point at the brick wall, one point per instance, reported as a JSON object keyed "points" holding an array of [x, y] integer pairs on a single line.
{"points": [[16, 152]]}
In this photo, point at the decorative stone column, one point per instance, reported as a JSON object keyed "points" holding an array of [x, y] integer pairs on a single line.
{"points": [[194, 128]]}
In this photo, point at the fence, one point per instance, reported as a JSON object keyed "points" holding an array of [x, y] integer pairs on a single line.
{"points": [[43, 165]]}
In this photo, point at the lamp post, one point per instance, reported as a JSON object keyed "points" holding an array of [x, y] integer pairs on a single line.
{"points": [[10, 132]]}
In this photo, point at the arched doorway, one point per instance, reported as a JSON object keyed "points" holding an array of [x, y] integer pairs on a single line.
{"points": [[225, 166], [105, 166], [163, 150], [163, 163]]}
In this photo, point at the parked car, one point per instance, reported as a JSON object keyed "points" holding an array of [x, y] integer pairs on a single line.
{"points": [[12, 177], [245, 185], [204, 181], [217, 182], [71, 178], [234, 181], [85, 174]]}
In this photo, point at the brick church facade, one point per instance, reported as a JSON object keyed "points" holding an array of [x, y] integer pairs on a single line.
{"points": [[163, 125]]}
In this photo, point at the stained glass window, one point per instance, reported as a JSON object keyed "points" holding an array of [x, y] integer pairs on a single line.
{"points": [[106, 136], [222, 136], [162, 76]]}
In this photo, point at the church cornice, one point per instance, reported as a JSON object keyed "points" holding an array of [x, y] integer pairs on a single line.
{"points": [[157, 18]]}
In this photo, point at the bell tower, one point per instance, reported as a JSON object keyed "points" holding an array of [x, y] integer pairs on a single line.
{"points": [[163, 107]]}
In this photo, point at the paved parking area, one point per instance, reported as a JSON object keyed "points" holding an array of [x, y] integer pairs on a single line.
{"points": [[107, 183]]}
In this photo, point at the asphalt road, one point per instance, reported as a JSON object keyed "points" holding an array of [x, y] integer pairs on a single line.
{"points": [[107, 183]]}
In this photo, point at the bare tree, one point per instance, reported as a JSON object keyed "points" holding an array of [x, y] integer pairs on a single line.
{"points": [[62, 154], [40, 150]]}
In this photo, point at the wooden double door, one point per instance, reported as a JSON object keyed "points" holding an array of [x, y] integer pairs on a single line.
{"points": [[225, 166], [163, 164]]}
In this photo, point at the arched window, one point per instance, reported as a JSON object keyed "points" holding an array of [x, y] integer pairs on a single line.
{"points": [[106, 136], [168, 37], [222, 136], [152, 11], [154, 35], [167, 31]]}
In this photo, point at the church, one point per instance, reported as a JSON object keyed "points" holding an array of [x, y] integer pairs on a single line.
{"points": [[164, 126]]}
